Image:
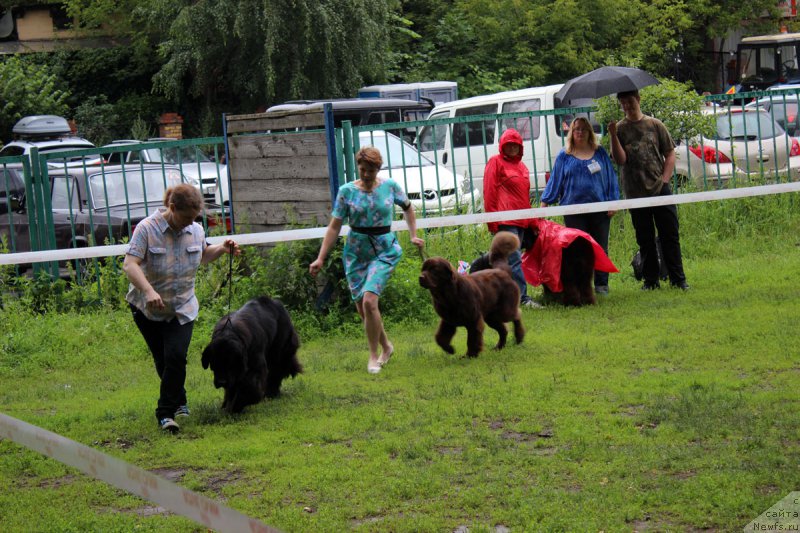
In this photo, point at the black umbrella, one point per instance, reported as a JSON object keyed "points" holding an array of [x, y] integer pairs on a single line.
{"points": [[604, 81]]}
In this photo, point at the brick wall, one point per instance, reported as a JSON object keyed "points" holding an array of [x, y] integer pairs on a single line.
{"points": [[170, 125]]}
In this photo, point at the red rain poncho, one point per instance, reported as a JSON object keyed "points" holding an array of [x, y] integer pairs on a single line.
{"points": [[542, 263]]}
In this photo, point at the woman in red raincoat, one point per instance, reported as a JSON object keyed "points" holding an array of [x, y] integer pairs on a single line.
{"points": [[506, 186]]}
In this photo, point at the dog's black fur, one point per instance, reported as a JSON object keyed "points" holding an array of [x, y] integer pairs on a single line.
{"points": [[577, 270], [251, 352]]}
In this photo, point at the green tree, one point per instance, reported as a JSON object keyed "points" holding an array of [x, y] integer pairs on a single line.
{"points": [[490, 45], [241, 55], [27, 89]]}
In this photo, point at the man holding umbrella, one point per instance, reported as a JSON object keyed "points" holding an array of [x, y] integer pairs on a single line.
{"points": [[644, 150]]}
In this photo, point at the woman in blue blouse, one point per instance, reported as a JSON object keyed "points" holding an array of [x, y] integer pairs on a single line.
{"points": [[583, 173], [371, 251]]}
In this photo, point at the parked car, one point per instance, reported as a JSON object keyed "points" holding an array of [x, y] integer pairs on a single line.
{"points": [[95, 207], [12, 186], [193, 162], [748, 145], [782, 108], [48, 133], [430, 187]]}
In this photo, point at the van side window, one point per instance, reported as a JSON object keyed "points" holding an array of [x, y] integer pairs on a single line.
{"points": [[383, 117], [472, 133], [527, 127], [338, 118], [433, 137]]}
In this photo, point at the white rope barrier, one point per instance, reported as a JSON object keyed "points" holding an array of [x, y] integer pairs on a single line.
{"points": [[422, 223], [130, 478]]}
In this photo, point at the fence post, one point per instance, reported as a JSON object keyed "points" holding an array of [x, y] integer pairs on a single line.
{"points": [[230, 177], [349, 154], [330, 141]]}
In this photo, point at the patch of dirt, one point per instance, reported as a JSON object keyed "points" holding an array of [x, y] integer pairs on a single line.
{"points": [[631, 410], [216, 482], [150, 510], [449, 450], [499, 528], [57, 482], [170, 474], [119, 443]]}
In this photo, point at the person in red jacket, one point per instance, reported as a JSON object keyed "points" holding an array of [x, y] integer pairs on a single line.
{"points": [[506, 186]]}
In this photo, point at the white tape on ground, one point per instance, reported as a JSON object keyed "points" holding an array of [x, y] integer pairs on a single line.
{"points": [[422, 223], [130, 478]]}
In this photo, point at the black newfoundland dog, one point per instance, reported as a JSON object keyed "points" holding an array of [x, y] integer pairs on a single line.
{"points": [[251, 352]]}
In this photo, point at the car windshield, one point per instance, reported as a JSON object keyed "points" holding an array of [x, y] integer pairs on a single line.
{"points": [[176, 155], [746, 127], [395, 153], [133, 187]]}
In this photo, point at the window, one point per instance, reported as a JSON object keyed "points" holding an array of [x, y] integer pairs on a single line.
{"points": [[12, 151], [785, 115], [475, 133], [433, 137], [527, 127], [383, 117], [746, 126], [64, 194]]}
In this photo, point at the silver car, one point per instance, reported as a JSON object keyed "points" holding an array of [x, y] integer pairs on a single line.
{"points": [[195, 165], [748, 146]]}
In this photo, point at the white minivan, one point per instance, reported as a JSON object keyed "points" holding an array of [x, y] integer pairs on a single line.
{"points": [[465, 147]]}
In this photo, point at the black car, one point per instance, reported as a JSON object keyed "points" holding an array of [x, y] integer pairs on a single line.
{"points": [[12, 186], [97, 206]]}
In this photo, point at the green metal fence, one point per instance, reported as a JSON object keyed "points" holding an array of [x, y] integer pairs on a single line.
{"points": [[444, 158], [95, 196]]}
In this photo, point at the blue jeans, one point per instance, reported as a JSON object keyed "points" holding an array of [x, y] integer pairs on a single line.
{"points": [[515, 262]]}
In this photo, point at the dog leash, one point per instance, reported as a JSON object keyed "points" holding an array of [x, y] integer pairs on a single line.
{"points": [[422, 253]]}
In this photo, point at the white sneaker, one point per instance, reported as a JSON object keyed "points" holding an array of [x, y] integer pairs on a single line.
{"points": [[531, 304]]}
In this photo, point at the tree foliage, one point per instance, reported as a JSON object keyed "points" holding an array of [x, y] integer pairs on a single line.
{"points": [[213, 56], [241, 55], [488, 45], [27, 89]]}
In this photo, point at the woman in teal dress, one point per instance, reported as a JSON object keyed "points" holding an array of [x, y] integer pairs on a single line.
{"points": [[371, 250]]}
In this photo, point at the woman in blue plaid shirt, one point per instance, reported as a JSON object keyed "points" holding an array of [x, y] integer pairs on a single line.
{"points": [[161, 263]]}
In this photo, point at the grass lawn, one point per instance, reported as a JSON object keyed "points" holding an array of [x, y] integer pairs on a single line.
{"points": [[652, 411]]}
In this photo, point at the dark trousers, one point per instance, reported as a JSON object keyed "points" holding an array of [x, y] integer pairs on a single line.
{"points": [[664, 219], [169, 344], [515, 262], [597, 225]]}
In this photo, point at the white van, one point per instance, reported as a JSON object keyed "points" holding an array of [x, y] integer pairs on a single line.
{"points": [[465, 147]]}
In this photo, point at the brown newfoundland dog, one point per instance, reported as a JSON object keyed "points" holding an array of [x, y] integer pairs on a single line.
{"points": [[487, 297], [252, 351]]}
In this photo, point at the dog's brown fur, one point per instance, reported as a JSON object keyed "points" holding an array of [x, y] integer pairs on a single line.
{"points": [[487, 297], [503, 245]]}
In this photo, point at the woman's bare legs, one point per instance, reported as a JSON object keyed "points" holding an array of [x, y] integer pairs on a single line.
{"points": [[373, 324]]}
